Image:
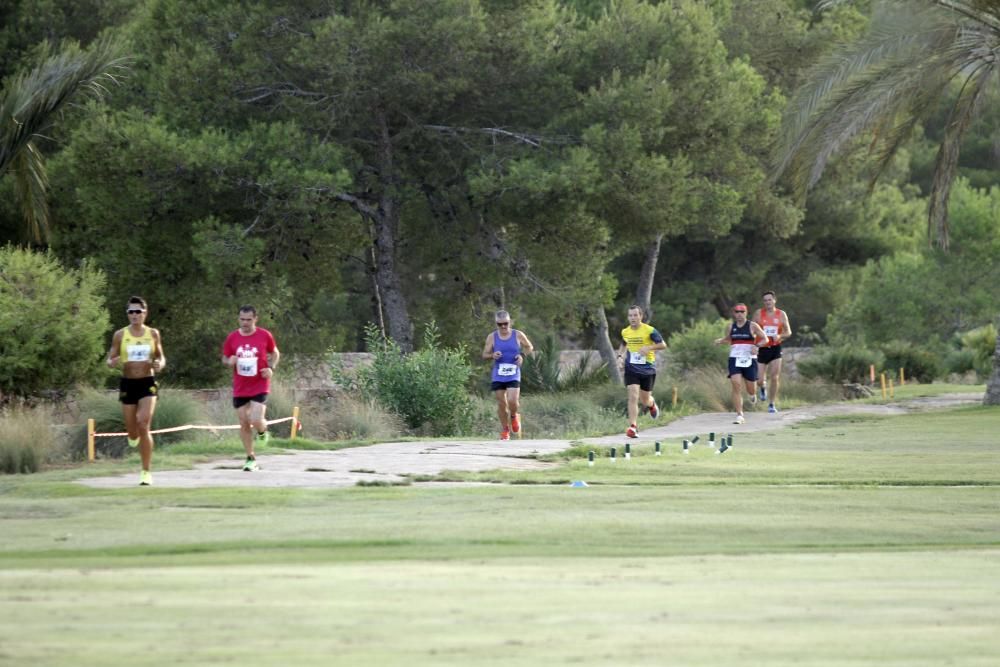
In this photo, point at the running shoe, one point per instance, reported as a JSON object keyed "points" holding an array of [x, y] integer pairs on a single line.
{"points": [[753, 399], [250, 465], [515, 423], [632, 431], [739, 419], [132, 442], [654, 410], [263, 438], [763, 393], [773, 410], [505, 435], [145, 478]]}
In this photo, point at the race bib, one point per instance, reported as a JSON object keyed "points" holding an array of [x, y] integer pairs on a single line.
{"points": [[138, 352], [636, 358], [506, 370], [771, 331], [743, 362], [247, 367]]}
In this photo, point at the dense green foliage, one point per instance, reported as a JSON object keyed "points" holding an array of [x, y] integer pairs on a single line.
{"points": [[342, 163], [52, 323]]}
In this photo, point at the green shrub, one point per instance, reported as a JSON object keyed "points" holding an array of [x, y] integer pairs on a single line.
{"points": [[960, 361], [981, 343], [694, 346], [917, 364], [173, 408], [52, 323], [26, 439], [840, 364], [426, 388]]}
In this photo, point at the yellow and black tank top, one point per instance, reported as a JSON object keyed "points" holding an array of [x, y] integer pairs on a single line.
{"points": [[137, 348]]}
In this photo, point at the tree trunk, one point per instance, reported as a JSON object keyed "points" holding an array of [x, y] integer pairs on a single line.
{"points": [[604, 346], [992, 396], [644, 292], [386, 228]]}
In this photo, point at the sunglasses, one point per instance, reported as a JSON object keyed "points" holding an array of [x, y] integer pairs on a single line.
{"points": [[739, 311], [134, 312], [503, 324]]}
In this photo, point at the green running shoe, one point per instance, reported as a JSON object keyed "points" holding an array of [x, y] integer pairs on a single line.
{"points": [[131, 442], [263, 438], [250, 465], [145, 478]]}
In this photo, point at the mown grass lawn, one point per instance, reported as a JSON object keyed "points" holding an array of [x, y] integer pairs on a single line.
{"points": [[851, 540]]}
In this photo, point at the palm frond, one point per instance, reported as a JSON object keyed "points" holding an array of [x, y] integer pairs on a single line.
{"points": [[32, 101], [946, 164], [912, 55], [31, 184]]}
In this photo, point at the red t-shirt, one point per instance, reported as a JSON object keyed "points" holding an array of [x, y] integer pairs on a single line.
{"points": [[251, 358]]}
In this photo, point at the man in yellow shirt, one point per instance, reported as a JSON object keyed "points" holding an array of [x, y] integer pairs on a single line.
{"points": [[640, 343]]}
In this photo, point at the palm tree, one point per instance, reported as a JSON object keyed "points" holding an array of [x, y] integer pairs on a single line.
{"points": [[31, 102], [914, 55]]}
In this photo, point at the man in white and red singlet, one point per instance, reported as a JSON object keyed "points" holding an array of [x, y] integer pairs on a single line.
{"points": [[774, 322], [744, 338], [253, 356]]}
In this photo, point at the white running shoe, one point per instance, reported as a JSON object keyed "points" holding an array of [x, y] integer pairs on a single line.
{"points": [[739, 419]]}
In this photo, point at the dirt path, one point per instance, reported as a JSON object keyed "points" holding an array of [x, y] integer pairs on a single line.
{"points": [[392, 462]]}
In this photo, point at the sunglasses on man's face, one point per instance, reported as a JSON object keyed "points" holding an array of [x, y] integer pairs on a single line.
{"points": [[739, 311], [503, 324], [135, 312]]}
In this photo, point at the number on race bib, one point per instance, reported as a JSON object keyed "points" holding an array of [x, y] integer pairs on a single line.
{"points": [[246, 367], [743, 362], [771, 331], [506, 370], [636, 358], [138, 352]]}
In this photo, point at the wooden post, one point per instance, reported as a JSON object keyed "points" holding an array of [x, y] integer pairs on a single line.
{"points": [[882, 377], [902, 377], [673, 403], [871, 373], [90, 439], [295, 422], [892, 388]]}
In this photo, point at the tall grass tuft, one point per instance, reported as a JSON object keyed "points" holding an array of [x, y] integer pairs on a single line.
{"points": [[26, 439], [706, 389], [348, 418]]}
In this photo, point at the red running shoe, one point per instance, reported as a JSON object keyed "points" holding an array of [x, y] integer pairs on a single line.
{"points": [[505, 435], [654, 411], [632, 431], [515, 423]]}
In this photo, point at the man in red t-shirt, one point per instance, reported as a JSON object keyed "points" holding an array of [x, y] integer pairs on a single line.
{"points": [[253, 355]]}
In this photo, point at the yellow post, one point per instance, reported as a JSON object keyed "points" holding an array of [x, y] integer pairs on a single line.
{"points": [[673, 403], [295, 422], [892, 389], [90, 439], [902, 377], [882, 377]]}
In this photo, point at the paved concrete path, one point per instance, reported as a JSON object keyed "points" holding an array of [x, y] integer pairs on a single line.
{"points": [[393, 461]]}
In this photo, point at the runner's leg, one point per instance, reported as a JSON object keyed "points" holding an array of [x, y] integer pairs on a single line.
{"points": [[144, 421], [774, 379], [502, 412]]}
